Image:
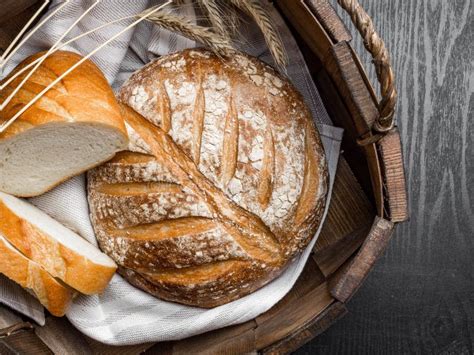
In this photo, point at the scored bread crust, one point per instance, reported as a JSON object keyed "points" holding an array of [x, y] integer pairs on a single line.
{"points": [[58, 259], [226, 186], [82, 101], [84, 95], [28, 274]]}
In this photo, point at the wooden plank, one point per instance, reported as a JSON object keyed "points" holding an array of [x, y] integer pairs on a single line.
{"points": [[104, 349], [329, 19], [306, 24], [375, 176], [349, 211], [26, 342], [363, 72], [8, 318], [348, 282], [394, 176], [18, 327], [311, 330], [62, 338], [357, 95], [344, 72], [313, 62], [332, 257], [310, 279], [341, 117], [239, 339], [353, 85], [11, 8], [290, 319], [363, 161], [5, 350], [20, 340]]}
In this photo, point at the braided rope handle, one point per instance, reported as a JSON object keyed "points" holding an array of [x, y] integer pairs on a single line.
{"points": [[381, 59]]}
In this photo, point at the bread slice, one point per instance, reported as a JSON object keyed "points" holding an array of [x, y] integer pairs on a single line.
{"points": [[75, 126], [61, 252], [28, 274]]}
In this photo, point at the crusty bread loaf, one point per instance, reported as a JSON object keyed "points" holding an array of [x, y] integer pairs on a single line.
{"points": [[58, 250], [28, 274], [75, 126], [227, 183]]}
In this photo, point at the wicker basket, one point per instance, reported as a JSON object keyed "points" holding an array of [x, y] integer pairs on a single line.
{"points": [[369, 199]]}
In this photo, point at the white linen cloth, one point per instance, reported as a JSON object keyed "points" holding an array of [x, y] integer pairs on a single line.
{"points": [[124, 315]]}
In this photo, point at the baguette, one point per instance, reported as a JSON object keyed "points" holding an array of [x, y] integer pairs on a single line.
{"points": [[61, 252], [55, 297], [75, 126]]}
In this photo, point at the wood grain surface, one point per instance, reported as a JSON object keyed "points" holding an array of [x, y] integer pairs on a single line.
{"points": [[419, 298]]}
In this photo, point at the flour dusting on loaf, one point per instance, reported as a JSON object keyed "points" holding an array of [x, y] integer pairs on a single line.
{"points": [[252, 139]]}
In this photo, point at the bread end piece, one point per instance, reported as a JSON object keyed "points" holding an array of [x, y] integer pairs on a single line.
{"points": [[73, 127], [55, 297], [61, 252]]}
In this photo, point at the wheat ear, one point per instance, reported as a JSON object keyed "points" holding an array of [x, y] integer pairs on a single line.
{"points": [[261, 17], [216, 16], [204, 35]]}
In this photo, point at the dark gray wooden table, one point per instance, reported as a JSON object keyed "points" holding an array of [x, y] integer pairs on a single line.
{"points": [[420, 296]]}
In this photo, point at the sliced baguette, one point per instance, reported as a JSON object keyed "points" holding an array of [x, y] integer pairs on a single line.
{"points": [[28, 274], [75, 126], [61, 252]]}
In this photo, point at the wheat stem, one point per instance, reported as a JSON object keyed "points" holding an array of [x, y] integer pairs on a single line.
{"points": [[216, 16], [204, 35], [264, 22]]}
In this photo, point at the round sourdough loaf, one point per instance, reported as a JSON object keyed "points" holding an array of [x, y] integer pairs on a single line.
{"points": [[225, 182]]}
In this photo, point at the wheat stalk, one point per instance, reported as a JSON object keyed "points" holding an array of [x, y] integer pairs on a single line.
{"points": [[262, 19], [222, 17], [216, 16], [204, 35], [140, 18]]}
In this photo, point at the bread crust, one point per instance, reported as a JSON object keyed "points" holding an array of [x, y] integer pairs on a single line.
{"points": [[236, 137], [75, 270], [28, 274], [82, 98]]}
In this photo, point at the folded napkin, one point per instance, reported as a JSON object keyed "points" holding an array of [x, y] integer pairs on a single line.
{"points": [[124, 315]]}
